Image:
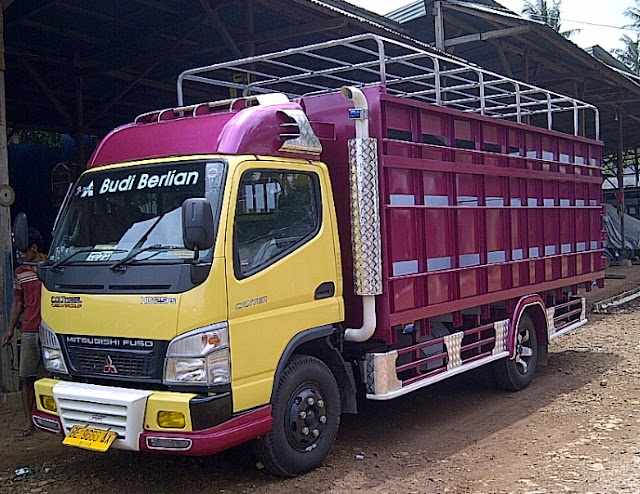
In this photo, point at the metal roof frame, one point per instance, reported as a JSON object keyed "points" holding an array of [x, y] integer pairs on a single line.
{"points": [[408, 71]]}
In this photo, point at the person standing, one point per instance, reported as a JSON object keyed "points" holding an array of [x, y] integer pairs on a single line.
{"points": [[26, 303]]}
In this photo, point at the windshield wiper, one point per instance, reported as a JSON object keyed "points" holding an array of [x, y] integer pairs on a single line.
{"points": [[62, 262], [118, 265]]}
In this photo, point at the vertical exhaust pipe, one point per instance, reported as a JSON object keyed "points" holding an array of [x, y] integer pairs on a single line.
{"points": [[365, 215]]}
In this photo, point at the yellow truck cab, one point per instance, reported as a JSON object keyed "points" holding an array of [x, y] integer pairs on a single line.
{"points": [[154, 311]]}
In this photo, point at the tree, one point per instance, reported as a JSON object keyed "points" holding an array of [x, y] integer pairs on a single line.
{"points": [[550, 15], [633, 13], [630, 54], [37, 138]]}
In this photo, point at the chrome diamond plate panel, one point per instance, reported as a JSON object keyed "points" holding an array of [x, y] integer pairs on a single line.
{"points": [[381, 372], [551, 323], [365, 216], [308, 142], [453, 342], [501, 328]]}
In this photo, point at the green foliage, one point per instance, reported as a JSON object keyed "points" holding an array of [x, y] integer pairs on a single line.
{"points": [[37, 138], [630, 54], [629, 161], [633, 13], [549, 14]]}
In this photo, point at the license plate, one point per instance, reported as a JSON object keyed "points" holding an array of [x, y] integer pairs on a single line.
{"points": [[90, 438]]}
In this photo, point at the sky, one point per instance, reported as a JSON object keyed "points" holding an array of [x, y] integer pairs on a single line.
{"points": [[600, 21]]}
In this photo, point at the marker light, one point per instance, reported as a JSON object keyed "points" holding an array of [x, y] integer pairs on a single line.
{"points": [[168, 443], [211, 339], [171, 420], [48, 403]]}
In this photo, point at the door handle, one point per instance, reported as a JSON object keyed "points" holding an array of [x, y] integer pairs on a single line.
{"points": [[325, 290]]}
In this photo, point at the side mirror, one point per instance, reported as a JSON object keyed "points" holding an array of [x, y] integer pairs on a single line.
{"points": [[197, 224], [21, 233]]}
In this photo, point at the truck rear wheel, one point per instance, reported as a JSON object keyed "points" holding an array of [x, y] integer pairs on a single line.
{"points": [[306, 416], [517, 373]]}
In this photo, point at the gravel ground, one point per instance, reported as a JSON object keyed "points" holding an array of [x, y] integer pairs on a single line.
{"points": [[574, 430]]}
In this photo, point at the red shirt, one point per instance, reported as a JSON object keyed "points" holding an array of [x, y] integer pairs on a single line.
{"points": [[27, 284]]}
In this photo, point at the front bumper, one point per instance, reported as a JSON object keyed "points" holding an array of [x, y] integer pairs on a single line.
{"points": [[238, 430], [209, 425]]}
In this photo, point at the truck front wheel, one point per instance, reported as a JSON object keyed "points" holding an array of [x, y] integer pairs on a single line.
{"points": [[306, 416], [517, 373]]}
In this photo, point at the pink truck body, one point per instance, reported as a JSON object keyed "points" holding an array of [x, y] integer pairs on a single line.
{"points": [[466, 201]]}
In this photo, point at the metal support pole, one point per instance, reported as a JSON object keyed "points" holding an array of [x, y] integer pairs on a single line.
{"points": [[636, 168], [439, 26], [623, 209]]}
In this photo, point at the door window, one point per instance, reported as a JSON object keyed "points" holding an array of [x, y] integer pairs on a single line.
{"points": [[276, 212]]}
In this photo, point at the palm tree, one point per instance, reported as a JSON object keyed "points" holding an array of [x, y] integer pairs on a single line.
{"points": [[550, 15], [630, 54], [634, 14]]}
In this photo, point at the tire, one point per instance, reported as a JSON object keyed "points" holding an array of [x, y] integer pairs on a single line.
{"points": [[306, 417], [517, 373]]}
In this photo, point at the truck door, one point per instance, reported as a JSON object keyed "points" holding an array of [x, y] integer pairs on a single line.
{"points": [[282, 268]]}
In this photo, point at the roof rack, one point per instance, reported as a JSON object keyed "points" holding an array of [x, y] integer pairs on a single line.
{"points": [[407, 71], [197, 109]]}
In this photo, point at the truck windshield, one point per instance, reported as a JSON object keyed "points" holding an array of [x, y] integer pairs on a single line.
{"points": [[117, 212]]}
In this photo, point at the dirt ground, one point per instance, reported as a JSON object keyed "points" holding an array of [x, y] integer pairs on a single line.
{"points": [[576, 429]]}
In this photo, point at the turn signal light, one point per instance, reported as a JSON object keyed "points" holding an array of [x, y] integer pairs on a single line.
{"points": [[211, 339], [171, 420], [48, 403]]}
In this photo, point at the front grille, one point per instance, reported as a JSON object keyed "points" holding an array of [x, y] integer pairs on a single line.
{"points": [[109, 357], [90, 361], [91, 412]]}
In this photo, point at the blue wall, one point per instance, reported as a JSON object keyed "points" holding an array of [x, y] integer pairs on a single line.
{"points": [[30, 168]]}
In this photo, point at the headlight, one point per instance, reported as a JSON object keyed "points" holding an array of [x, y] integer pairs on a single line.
{"points": [[199, 357], [51, 352]]}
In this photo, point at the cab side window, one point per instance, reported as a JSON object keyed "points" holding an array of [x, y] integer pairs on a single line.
{"points": [[276, 212]]}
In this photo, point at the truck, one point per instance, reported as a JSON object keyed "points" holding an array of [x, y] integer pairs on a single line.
{"points": [[350, 220]]}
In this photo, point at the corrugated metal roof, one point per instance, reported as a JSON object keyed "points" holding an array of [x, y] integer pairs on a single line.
{"points": [[125, 56], [606, 57], [128, 54], [504, 42], [417, 9], [353, 11], [408, 12]]}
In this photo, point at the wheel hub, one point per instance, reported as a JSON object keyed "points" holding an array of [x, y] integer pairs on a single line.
{"points": [[307, 418], [523, 352]]}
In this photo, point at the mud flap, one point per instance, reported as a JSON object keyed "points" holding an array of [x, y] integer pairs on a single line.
{"points": [[543, 355]]}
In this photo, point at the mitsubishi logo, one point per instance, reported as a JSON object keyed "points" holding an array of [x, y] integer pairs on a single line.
{"points": [[109, 368]]}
